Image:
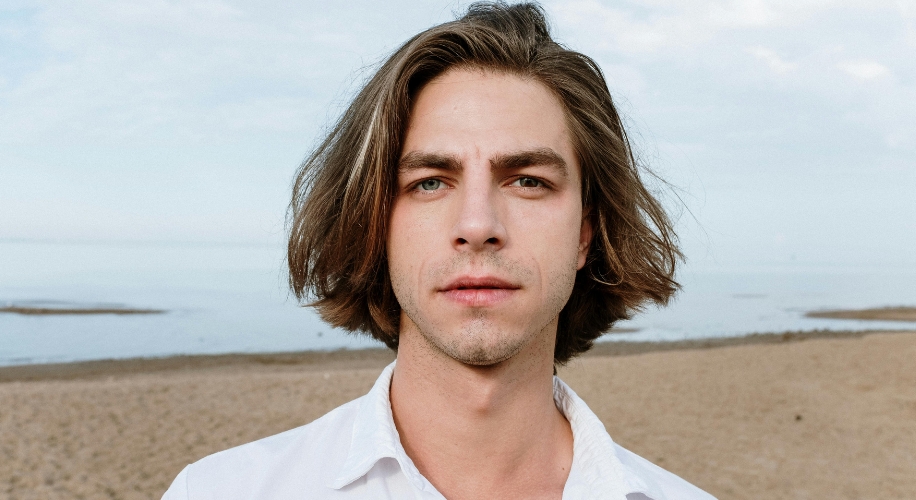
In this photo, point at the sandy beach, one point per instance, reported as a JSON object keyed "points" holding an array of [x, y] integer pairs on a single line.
{"points": [[796, 415]]}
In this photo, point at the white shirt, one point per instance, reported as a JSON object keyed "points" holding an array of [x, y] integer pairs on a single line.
{"points": [[355, 452]]}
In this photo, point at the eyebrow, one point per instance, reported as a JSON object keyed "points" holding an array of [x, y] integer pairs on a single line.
{"points": [[510, 161], [415, 160], [545, 157]]}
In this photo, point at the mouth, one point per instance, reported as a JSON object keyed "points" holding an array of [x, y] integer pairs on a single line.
{"points": [[483, 291]]}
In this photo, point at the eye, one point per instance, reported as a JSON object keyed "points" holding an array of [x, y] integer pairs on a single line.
{"points": [[528, 182], [430, 185]]}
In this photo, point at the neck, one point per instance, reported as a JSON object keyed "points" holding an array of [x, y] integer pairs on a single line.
{"points": [[482, 431]]}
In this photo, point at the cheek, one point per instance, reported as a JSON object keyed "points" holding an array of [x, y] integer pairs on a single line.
{"points": [[563, 262], [398, 236], [408, 237], [551, 234], [553, 237]]}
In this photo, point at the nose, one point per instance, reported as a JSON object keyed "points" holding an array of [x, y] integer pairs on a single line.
{"points": [[479, 226]]}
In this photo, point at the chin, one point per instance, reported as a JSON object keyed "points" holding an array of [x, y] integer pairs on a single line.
{"points": [[481, 356], [481, 345]]}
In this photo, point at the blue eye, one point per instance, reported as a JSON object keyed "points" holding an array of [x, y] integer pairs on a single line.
{"points": [[430, 185]]}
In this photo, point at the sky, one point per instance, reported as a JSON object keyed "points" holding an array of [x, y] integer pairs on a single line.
{"points": [[785, 131]]}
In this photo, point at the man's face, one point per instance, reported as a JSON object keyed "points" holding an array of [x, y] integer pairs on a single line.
{"points": [[487, 229]]}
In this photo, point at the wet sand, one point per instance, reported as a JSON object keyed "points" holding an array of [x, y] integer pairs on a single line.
{"points": [[796, 415]]}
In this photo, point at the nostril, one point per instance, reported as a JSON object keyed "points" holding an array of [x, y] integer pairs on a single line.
{"points": [[462, 241], [492, 241]]}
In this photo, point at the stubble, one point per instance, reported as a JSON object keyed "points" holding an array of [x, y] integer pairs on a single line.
{"points": [[486, 338]]}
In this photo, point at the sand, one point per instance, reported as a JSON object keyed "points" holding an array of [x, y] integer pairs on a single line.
{"points": [[802, 416]]}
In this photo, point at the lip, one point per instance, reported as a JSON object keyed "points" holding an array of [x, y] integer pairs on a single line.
{"points": [[479, 291]]}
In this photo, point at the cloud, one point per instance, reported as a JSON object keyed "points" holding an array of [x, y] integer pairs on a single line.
{"points": [[652, 26], [185, 118], [864, 69], [103, 69], [776, 63]]}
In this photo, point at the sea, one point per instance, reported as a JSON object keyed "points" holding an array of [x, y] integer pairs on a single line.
{"points": [[233, 298]]}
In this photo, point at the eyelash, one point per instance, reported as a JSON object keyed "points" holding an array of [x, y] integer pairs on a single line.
{"points": [[417, 186], [541, 184]]}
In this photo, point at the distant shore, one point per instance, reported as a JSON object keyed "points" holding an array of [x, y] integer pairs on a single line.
{"points": [[50, 311], [363, 358], [900, 313]]}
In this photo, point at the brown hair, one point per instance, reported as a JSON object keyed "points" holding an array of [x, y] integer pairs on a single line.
{"points": [[344, 191]]}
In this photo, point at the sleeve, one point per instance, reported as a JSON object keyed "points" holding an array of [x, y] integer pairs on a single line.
{"points": [[179, 488]]}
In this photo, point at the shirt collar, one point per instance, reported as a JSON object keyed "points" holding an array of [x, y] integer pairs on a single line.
{"points": [[597, 467], [375, 437]]}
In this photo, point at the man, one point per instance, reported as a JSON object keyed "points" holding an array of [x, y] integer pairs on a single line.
{"points": [[477, 208]]}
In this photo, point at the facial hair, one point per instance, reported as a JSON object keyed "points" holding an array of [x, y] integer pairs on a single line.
{"points": [[482, 340]]}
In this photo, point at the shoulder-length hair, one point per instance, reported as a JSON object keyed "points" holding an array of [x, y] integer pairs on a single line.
{"points": [[344, 190]]}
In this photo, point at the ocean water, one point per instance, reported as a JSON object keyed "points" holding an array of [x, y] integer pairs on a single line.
{"points": [[228, 299]]}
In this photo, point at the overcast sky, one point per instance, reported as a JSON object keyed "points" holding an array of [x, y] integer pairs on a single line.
{"points": [[786, 128]]}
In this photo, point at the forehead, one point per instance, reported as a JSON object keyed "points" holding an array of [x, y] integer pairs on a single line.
{"points": [[477, 114]]}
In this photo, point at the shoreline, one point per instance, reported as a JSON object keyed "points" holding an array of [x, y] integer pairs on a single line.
{"points": [[369, 357]]}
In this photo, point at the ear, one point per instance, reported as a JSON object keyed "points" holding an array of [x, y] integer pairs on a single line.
{"points": [[585, 237]]}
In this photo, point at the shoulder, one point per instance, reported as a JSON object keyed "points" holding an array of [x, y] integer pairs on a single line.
{"points": [[647, 477], [301, 459]]}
